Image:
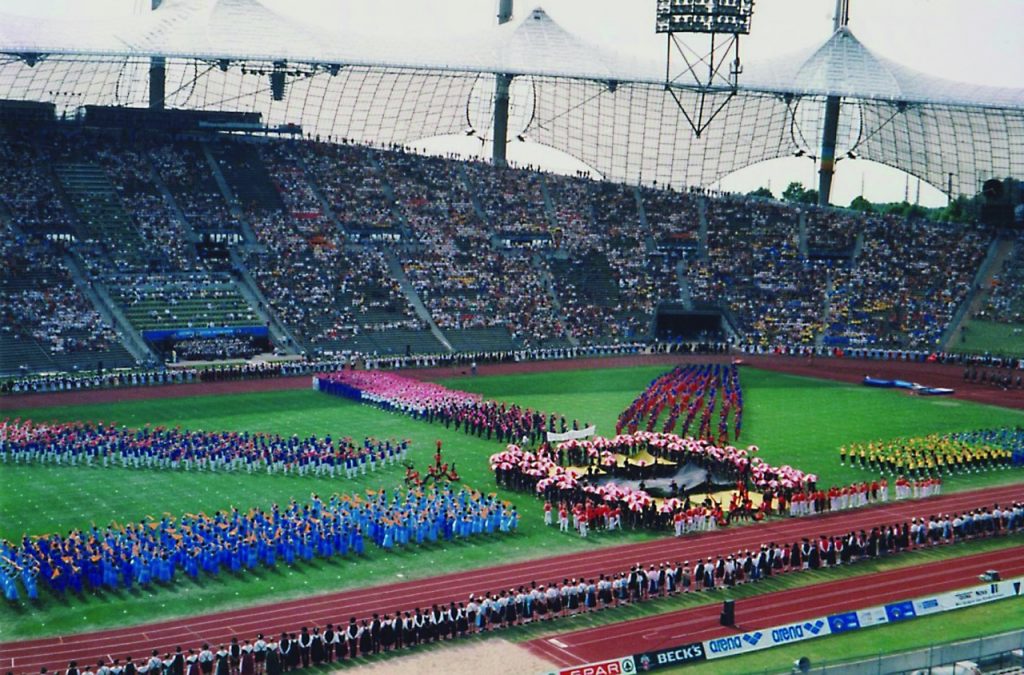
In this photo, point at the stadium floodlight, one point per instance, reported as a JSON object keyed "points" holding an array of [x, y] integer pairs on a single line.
{"points": [[706, 68], [704, 16]]}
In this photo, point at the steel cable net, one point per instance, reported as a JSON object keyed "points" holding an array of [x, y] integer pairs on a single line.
{"points": [[631, 132]]}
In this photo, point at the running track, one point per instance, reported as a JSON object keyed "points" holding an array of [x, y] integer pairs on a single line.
{"points": [[55, 652], [772, 609]]}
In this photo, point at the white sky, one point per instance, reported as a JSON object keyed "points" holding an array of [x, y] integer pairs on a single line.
{"points": [[975, 41]]}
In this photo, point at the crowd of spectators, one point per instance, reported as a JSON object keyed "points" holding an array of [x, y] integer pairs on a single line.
{"points": [[754, 267], [42, 303], [463, 280], [1005, 301], [131, 171], [551, 259], [353, 187], [27, 188], [908, 281], [185, 171], [217, 348], [325, 290]]}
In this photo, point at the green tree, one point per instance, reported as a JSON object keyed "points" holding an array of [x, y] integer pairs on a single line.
{"points": [[861, 204], [796, 193], [761, 192]]}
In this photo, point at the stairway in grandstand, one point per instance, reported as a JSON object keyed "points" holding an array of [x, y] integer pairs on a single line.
{"points": [[826, 309], [702, 226], [999, 251], [389, 191], [685, 297], [549, 204], [96, 293], [556, 304], [325, 204], [246, 176], [22, 350], [101, 218], [247, 286], [415, 301], [471, 191], [229, 194]]}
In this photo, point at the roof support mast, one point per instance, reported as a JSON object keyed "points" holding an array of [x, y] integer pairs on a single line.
{"points": [[157, 73], [502, 85], [830, 130]]}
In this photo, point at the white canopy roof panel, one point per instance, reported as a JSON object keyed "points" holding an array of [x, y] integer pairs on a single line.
{"points": [[609, 110]]}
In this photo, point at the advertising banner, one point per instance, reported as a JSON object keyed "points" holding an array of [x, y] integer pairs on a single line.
{"points": [[764, 639], [674, 656], [621, 666]]}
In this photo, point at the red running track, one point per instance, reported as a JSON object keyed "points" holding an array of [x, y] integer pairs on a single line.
{"points": [[773, 609], [55, 652]]}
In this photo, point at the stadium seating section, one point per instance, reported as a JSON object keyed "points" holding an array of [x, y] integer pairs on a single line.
{"points": [[351, 247]]}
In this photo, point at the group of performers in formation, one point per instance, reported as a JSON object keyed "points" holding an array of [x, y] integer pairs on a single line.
{"points": [[153, 551], [464, 411], [526, 603], [938, 455], [693, 390], [601, 508], [99, 444], [566, 473]]}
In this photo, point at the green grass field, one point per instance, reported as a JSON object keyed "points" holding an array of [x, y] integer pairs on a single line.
{"points": [[799, 421], [989, 337]]}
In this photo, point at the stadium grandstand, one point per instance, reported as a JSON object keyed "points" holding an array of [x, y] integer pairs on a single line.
{"points": [[171, 193], [330, 335]]}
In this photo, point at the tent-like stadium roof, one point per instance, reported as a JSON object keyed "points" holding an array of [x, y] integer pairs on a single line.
{"points": [[610, 111]]}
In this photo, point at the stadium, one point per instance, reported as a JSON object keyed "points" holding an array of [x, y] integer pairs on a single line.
{"points": [[323, 351]]}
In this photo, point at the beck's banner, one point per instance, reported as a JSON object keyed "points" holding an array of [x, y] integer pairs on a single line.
{"points": [[664, 658]]}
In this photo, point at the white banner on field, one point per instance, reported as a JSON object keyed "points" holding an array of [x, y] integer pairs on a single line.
{"points": [[572, 434]]}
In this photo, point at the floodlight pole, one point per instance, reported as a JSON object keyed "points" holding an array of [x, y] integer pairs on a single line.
{"points": [[830, 132], [502, 85], [708, 70], [157, 73]]}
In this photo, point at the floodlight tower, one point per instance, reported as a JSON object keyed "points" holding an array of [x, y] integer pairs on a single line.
{"points": [[830, 129], [502, 85], [157, 73], [701, 36]]}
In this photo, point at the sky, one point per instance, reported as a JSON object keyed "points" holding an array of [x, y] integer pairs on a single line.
{"points": [[973, 41]]}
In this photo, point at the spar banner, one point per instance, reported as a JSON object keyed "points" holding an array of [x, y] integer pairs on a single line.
{"points": [[674, 656], [765, 638], [620, 666], [572, 434]]}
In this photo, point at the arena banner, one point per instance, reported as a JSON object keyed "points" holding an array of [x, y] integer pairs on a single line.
{"points": [[572, 434], [674, 656], [620, 666], [766, 638]]}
